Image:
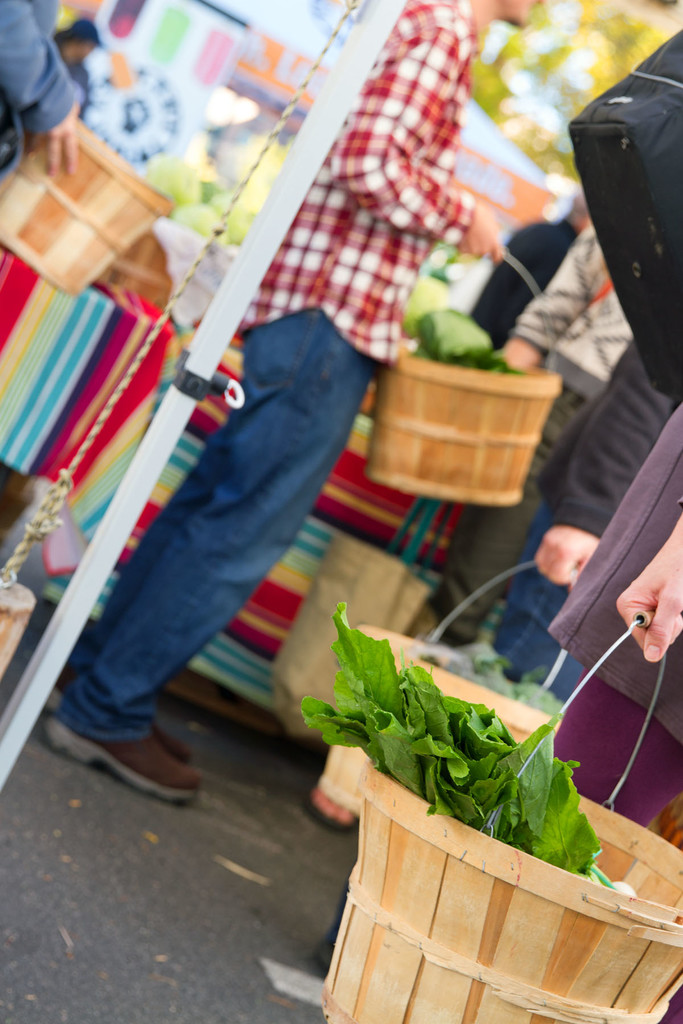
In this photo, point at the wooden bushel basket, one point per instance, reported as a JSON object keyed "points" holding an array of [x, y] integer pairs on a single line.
{"points": [[339, 780], [343, 765], [142, 270], [445, 925], [72, 227], [458, 434]]}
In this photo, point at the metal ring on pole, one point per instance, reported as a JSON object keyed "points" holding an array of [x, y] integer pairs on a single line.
{"points": [[234, 395]]}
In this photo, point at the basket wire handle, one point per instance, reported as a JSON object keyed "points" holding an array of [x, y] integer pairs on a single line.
{"points": [[536, 290], [435, 635], [46, 518], [641, 619]]}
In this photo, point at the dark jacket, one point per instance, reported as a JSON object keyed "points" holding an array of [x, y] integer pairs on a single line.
{"points": [[599, 453], [36, 93], [540, 248], [589, 621]]}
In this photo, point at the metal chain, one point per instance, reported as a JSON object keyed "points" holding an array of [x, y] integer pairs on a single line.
{"points": [[46, 518]]}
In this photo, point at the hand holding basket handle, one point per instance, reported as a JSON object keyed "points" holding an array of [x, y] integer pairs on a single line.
{"points": [[564, 552], [482, 237], [61, 144], [658, 594], [521, 354]]}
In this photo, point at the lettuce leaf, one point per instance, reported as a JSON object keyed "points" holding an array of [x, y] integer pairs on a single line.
{"points": [[419, 683], [368, 671], [567, 840], [536, 752], [335, 728]]}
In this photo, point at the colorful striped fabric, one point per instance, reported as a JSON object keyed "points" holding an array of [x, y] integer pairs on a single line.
{"points": [[240, 657], [60, 358]]}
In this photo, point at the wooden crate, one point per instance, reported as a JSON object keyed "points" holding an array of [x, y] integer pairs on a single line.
{"points": [[72, 227], [458, 434], [445, 925]]}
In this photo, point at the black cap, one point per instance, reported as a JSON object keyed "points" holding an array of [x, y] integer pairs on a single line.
{"points": [[84, 30]]}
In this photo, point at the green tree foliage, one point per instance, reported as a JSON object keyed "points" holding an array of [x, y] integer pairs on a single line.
{"points": [[533, 82]]}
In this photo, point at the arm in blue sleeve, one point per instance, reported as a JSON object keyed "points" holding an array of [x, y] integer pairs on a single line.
{"points": [[33, 77]]}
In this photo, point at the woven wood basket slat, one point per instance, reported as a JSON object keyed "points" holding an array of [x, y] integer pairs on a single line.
{"points": [[72, 227], [458, 434], [446, 925]]}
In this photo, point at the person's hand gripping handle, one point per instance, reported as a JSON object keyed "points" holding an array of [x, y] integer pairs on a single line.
{"points": [[658, 595]]}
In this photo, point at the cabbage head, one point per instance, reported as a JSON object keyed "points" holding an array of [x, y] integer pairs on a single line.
{"points": [[448, 336], [428, 295], [173, 176], [199, 216]]}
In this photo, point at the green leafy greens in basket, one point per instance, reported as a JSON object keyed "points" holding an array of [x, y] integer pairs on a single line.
{"points": [[447, 336], [457, 756]]}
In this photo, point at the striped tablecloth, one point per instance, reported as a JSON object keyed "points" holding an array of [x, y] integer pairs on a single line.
{"points": [[60, 358]]}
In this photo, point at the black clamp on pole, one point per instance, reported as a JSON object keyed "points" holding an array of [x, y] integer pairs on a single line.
{"points": [[199, 387]]}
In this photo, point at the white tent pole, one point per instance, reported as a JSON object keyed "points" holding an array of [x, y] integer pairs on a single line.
{"points": [[313, 141]]}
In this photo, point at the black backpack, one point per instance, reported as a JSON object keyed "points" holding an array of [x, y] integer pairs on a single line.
{"points": [[628, 146]]}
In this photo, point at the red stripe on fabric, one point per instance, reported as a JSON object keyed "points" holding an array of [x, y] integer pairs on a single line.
{"points": [[254, 639], [275, 602], [142, 389], [17, 283]]}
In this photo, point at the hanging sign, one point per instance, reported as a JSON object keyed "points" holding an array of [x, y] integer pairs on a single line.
{"points": [[515, 199], [152, 78]]}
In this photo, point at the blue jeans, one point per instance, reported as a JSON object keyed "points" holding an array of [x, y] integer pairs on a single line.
{"points": [[231, 520], [532, 603]]}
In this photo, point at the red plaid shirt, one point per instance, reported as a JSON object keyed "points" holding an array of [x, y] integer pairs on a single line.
{"points": [[386, 192]]}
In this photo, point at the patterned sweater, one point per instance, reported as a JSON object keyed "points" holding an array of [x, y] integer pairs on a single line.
{"points": [[578, 321]]}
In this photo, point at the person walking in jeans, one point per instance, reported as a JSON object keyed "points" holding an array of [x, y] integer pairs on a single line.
{"points": [[328, 311]]}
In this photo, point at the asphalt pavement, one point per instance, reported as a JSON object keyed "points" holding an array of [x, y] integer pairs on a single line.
{"points": [[119, 908]]}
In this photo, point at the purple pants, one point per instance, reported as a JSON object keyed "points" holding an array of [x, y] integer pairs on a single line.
{"points": [[600, 730]]}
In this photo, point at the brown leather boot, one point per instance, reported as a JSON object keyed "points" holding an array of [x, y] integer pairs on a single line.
{"points": [[175, 747], [144, 764]]}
